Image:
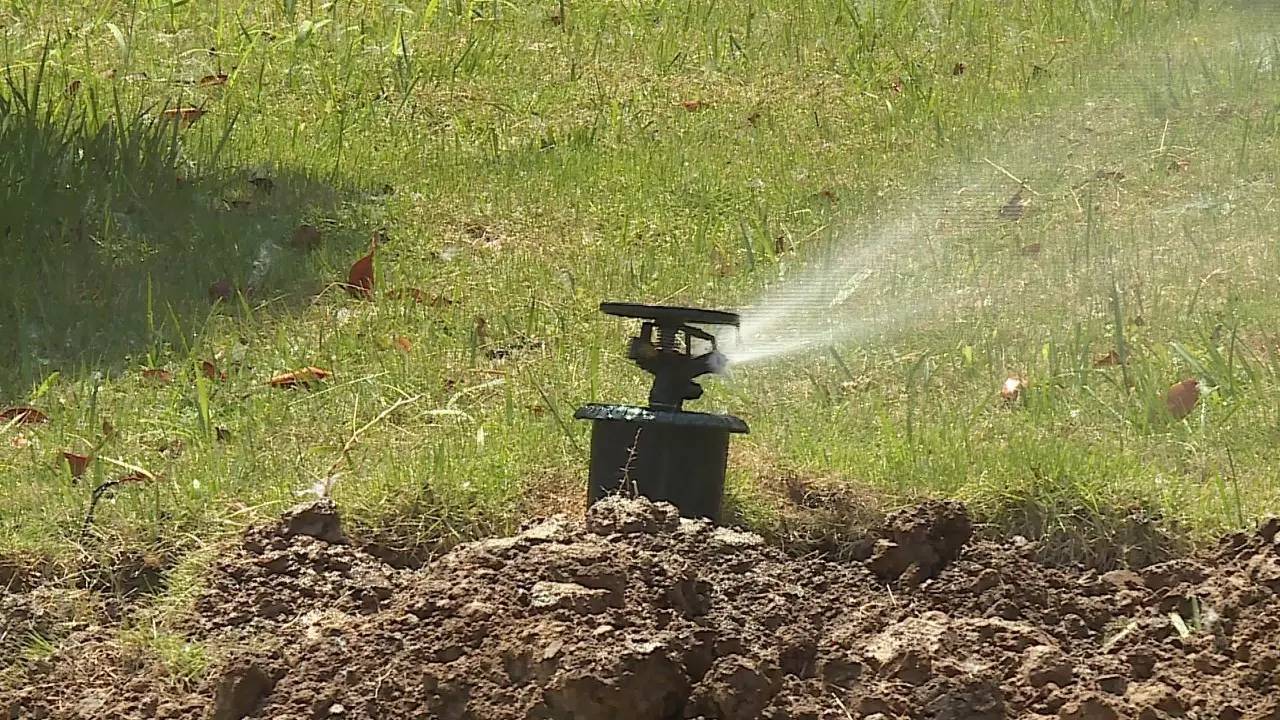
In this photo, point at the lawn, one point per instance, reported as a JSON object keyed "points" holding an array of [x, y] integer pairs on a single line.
{"points": [[185, 188]]}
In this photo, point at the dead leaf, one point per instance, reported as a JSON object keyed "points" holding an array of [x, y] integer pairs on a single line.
{"points": [[693, 105], [1111, 359], [171, 449], [360, 278], [263, 184], [299, 378], [405, 344], [1015, 208], [212, 80], [186, 116], [1032, 249], [76, 463], [23, 416], [73, 87], [159, 375], [305, 237], [221, 290], [1012, 389], [1182, 398], [958, 69], [211, 371]]}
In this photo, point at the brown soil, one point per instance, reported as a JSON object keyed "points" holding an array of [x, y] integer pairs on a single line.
{"points": [[635, 614]]}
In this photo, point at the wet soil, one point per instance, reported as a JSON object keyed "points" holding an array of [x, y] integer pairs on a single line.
{"points": [[635, 614]]}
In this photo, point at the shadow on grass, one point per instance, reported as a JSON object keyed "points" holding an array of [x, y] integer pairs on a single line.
{"points": [[119, 227]]}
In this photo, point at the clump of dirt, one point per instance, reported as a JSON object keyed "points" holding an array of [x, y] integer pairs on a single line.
{"points": [[295, 572], [637, 614]]}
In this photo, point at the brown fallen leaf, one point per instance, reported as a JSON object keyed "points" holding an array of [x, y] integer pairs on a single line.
{"points": [[159, 375], [171, 448], [1111, 359], [22, 415], [405, 344], [221, 290], [360, 277], [1012, 389], [211, 371], [1015, 208], [213, 80], [299, 378], [76, 463], [1182, 398], [693, 105], [186, 116], [305, 237]]}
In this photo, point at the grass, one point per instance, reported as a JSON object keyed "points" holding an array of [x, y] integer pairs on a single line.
{"points": [[527, 162]]}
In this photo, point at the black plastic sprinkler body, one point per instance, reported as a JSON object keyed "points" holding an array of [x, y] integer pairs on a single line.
{"points": [[662, 451]]}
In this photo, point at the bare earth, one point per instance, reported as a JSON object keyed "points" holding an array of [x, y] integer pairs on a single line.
{"points": [[637, 615]]}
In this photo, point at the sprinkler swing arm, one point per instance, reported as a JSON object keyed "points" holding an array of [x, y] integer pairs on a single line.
{"points": [[662, 451], [657, 351]]}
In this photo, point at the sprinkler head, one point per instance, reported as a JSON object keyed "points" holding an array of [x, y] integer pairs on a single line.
{"points": [[664, 348], [662, 451]]}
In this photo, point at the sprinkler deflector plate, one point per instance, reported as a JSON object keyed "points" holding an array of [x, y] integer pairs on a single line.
{"points": [[670, 314]]}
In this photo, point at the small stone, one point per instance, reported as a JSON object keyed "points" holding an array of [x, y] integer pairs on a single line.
{"points": [[568, 596], [1045, 664], [1089, 708], [337, 709], [1114, 684], [318, 519], [1124, 580]]}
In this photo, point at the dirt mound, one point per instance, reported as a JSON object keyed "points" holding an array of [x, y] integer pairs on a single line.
{"points": [[636, 614]]}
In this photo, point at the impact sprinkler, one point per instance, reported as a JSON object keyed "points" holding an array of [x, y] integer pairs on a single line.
{"points": [[663, 452]]}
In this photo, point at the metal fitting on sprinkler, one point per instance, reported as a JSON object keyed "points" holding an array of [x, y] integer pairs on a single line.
{"points": [[663, 452]]}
